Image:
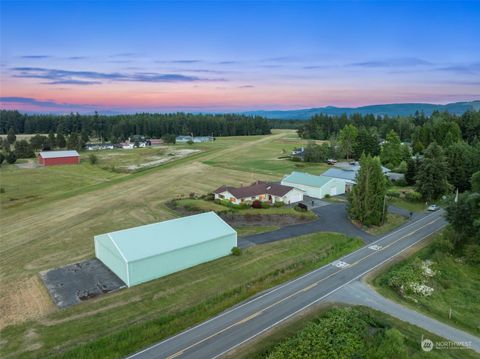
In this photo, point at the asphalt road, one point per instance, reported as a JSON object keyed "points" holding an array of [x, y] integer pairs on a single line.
{"points": [[232, 328]]}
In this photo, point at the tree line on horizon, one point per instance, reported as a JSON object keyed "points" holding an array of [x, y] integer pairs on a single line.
{"points": [[120, 127]]}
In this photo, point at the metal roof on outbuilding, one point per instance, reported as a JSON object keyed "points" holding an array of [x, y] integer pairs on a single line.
{"points": [[340, 173], [59, 154], [306, 179], [162, 237]]}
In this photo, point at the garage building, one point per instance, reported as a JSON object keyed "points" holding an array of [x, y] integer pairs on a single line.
{"points": [[315, 186], [137, 255], [53, 158]]}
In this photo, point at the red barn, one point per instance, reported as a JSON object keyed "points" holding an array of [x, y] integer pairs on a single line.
{"points": [[52, 158]]}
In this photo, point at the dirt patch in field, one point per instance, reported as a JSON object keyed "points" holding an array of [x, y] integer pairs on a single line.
{"points": [[171, 156], [23, 301], [28, 165]]}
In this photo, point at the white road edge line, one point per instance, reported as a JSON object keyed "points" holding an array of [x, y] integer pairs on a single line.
{"points": [[324, 296], [274, 289]]}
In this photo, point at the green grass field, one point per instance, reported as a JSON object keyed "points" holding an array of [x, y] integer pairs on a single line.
{"points": [[50, 215], [393, 221], [267, 158], [456, 285], [380, 322], [119, 323]]}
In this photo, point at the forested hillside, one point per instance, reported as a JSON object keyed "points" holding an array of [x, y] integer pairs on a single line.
{"points": [[122, 126]]}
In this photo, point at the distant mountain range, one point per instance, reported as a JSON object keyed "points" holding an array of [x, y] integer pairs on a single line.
{"points": [[394, 109]]}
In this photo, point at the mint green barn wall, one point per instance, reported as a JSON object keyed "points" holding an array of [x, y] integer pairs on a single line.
{"points": [[105, 250], [146, 269]]}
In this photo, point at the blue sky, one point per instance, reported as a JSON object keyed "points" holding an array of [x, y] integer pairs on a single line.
{"points": [[230, 56]]}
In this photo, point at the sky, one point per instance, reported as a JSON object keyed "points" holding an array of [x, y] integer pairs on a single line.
{"points": [[231, 56]]}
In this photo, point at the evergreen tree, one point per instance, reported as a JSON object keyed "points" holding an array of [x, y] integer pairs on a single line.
{"points": [[432, 173], [476, 182], [38, 141], [2, 157], [74, 142], [10, 158], [23, 149], [411, 172], [51, 140], [461, 165], [366, 200], [366, 142], [347, 139], [60, 140], [11, 137], [391, 154]]}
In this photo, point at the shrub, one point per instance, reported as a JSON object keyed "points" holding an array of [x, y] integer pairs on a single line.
{"points": [[190, 142], [413, 196], [296, 159], [265, 205], [393, 193], [92, 158], [401, 182], [11, 158], [192, 195], [301, 207], [472, 254], [327, 195], [2, 158], [278, 204], [209, 197], [256, 204], [236, 251], [2, 190]]}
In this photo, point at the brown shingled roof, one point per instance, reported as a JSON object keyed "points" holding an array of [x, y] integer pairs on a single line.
{"points": [[256, 189]]}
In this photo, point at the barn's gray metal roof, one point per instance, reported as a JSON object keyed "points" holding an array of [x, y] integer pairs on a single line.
{"points": [[57, 154], [339, 173]]}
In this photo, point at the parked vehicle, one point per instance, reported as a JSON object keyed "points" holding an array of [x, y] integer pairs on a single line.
{"points": [[433, 207], [331, 161]]}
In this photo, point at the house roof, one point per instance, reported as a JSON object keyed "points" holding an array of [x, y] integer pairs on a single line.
{"points": [[340, 173], [356, 167], [306, 179], [162, 237], [257, 188], [57, 154]]}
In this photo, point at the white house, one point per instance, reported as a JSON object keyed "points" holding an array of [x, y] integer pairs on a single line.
{"points": [[262, 191], [314, 186]]}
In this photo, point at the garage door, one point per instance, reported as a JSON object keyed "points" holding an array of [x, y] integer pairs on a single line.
{"points": [[333, 191], [295, 198]]}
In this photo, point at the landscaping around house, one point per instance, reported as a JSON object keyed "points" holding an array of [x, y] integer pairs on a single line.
{"points": [[116, 324], [434, 281], [266, 219], [346, 332]]}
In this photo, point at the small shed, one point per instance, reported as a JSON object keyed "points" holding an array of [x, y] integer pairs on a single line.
{"points": [[54, 158], [314, 186], [140, 254]]}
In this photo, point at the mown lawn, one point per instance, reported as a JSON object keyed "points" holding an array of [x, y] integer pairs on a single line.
{"points": [[393, 221], [117, 324], [408, 205], [291, 335], [456, 285], [269, 158], [250, 230]]}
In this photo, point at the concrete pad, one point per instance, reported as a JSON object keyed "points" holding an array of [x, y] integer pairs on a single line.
{"points": [[78, 282]]}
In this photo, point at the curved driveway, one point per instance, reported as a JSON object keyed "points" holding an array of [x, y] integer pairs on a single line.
{"points": [[331, 218]]}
